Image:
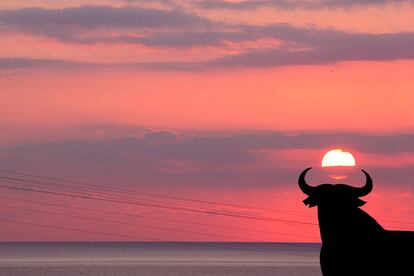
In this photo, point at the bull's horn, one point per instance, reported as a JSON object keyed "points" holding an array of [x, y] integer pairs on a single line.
{"points": [[367, 188], [303, 185]]}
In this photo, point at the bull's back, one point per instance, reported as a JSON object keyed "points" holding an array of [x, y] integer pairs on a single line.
{"points": [[385, 253], [399, 251]]}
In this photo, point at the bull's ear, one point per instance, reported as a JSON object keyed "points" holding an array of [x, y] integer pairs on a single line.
{"points": [[311, 201], [359, 202], [352, 201]]}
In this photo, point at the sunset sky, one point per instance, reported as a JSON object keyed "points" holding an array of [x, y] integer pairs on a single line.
{"points": [[210, 100]]}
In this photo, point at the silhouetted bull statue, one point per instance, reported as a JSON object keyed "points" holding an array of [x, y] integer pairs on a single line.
{"points": [[354, 243]]}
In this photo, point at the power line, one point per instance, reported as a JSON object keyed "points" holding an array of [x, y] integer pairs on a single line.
{"points": [[126, 223], [136, 192], [129, 191], [78, 191], [31, 183], [110, 197], [76, 229], [83, 196], [69, 188], [148, 217]]}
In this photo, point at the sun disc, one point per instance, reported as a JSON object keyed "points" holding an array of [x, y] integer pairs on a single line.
{"points": [[338, 157]]}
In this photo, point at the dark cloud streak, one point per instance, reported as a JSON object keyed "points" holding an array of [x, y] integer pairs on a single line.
{"points": [[294, 4], [330, 48], [91, 17], [178, 29], [18, 62], [160, 157]]}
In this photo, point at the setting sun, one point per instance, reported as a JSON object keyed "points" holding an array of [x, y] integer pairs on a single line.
{"points": [[337, 157]]}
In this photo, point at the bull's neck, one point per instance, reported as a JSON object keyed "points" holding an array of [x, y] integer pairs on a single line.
{"points": [[340, 222]]}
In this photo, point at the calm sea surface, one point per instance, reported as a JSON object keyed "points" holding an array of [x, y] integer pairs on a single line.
{"points": [[143, 258]]}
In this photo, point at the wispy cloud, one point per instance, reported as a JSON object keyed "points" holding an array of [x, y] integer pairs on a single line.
{"points": [[303, 47], [19, 62], [8, 63], [89, 17], [176, 28], [293, 4], [322, 47]]}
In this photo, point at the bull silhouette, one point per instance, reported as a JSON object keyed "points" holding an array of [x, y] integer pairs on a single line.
{"points": [[353, 242]]}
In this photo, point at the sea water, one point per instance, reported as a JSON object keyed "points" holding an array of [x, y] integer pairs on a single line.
{"points": [[162, 258]]}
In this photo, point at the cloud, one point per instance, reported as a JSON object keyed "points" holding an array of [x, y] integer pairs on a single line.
{"points": [[166, 3], [176, 28], [293, 4], [182, 39], [18, 62], [53, 22], [91, 24], [158, 156], [36, 63], [160, 136], [299, 46], [343, 47], [296, 46], [327, 47]]}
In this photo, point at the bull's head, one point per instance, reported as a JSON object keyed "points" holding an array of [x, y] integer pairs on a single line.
{"points": [[338, 194]]}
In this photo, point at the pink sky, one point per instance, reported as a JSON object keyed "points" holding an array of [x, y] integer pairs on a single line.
{"points": [[223, 101]]}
